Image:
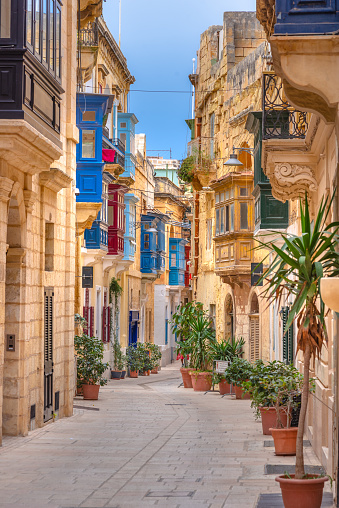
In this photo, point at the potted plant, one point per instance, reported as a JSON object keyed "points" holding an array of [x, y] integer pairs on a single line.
{"points": [[236, 374], [155, 355], [265, 383], [145, 359], [90, 365], [295, 272], [119, 360], [226, 350], [200, 340], [134, 362], [180, 322]]}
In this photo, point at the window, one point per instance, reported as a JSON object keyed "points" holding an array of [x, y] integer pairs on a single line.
{"points": [[212, 314], [232, 217], [49, 247], [221, 197], [222, 230], [212, 135], [43, 33], [227, 218], [88, 116], [243, 191], [243, 216], [5, 18], [88, 144], [146, 241], [123, 125], [173, 258], [217, 198], [208, 234], [217, 222], [227, 194]]}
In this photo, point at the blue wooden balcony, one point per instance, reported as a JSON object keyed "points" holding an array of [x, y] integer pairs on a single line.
{"points": [[152, 247], [177, 262], [130, 232], [306, 17], [97, 236]]}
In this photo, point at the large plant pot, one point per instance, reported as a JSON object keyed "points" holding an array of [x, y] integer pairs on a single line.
{"points": [[240, 394], [201, 381], [90, 392], [116, 374], [186, 377], [224, 387], [133, 373], [154, 371], [123, 374], [285, 440], [307, 493], [269, 419]]}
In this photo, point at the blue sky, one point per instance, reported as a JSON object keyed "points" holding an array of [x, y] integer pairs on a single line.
{"points": [[159, 39]]}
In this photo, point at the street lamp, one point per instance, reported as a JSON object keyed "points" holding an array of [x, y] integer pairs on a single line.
{"points": [[233, 160]]}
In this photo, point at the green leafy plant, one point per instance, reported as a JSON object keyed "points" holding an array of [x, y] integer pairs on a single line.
{"points": [[274, 384], [186, 170], [238, 371], [119, 359], [134, 360], [181, 325], [90, 353], [295, 272], [155, 354]]}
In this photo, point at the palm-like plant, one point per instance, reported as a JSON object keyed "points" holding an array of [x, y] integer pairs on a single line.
{"points": [[296, 271], [201, 339]]}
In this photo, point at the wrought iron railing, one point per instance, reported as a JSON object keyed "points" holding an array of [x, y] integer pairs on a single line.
{"points": [[279, 119], [89, 36], [119, 159], [118, 144]]}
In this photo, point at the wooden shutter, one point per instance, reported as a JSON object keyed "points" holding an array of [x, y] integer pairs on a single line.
{"points": [[254, 338], [91, 321], [48, 354], [288, 339]]}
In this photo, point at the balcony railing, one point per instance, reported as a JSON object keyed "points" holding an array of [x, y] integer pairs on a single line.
{"points": [[89, 36], [280, 119], [118, 144]]}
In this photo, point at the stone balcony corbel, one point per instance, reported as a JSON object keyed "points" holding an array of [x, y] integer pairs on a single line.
{"points": [[86, 213], [55, 179], [308, 67]]}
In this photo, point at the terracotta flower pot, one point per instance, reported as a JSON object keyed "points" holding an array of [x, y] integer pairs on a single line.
{"points": [[133, 373], [285, 440], [307, 493], [154, 371], [90, 392], [201, 381], [186, 377], [269, 419], [224, 387], [240, 394]]}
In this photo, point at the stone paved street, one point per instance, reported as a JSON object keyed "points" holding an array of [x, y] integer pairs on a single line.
{"points": [[150, 444]]}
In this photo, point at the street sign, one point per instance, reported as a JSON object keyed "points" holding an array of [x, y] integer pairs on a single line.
{"points": [[221, 366], [87, 276]]}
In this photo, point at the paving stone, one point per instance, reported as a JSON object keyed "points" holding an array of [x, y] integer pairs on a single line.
{"points": [[159, 446]]}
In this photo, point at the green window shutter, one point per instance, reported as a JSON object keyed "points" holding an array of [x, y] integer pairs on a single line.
{"points": [[288, 346]]}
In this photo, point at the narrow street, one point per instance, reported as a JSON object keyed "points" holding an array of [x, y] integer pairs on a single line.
{"points": [[145, 442]]}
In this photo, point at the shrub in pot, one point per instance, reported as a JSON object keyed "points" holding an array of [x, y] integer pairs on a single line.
{"points": [[134, 362], [264, 383], [236, 374], [226, 350], [90, 365], [119, 360], [155, 356], [295, 272]]}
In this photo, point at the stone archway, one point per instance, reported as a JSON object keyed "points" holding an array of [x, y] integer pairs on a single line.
{"points": [[229, 323], [14, 410]]}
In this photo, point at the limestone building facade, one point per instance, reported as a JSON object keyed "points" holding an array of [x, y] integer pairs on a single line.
{"points": [[38, 138]]}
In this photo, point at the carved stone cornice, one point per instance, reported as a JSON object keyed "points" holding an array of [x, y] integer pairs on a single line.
{"points": [[308, 66], [113, 169], [22, 146], [15, 255], [291, 181], [55, 179]]}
